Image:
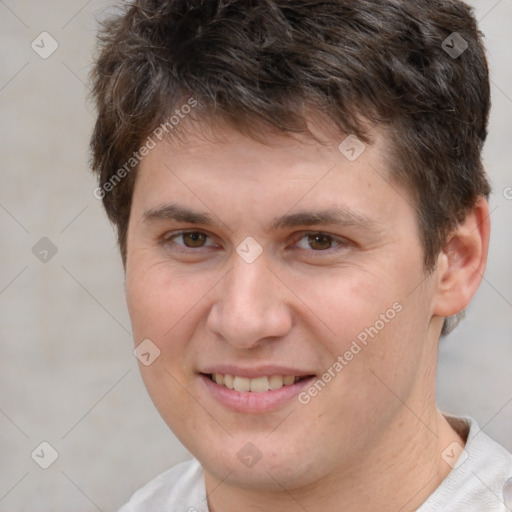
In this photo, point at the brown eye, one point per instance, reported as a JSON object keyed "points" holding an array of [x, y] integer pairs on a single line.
{"points": [[189, 243], [194, 239], [320, 242]]}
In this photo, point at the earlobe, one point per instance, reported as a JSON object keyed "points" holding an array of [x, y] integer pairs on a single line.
{"points": [[461, 263]]}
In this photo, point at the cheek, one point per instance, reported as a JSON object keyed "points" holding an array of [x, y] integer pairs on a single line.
{"points": [[372, 319], [343, 302], [164, 305], [154, 298]]}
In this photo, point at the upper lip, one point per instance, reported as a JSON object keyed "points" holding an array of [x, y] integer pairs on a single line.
{"points": [[255, 371]]}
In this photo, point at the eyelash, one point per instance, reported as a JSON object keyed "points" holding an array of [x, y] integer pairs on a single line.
{"points": [[169, 238], [341, 243]]}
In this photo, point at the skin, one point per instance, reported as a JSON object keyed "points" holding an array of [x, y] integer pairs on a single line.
{"points": [[373, 436]]}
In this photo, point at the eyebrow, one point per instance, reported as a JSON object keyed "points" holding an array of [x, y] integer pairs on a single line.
{"points": [[338, 216], [179, 213]]}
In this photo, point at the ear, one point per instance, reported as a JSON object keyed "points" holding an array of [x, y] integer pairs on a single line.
{"points": [[461, 263]]}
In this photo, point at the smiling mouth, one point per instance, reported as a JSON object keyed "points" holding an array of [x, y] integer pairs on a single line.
{"points": [[255, 385]]}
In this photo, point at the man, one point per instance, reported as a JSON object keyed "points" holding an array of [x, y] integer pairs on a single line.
{"points": [[301, 212]]}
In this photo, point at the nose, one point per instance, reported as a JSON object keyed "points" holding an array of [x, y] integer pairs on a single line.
{"points": [[250, 305]]}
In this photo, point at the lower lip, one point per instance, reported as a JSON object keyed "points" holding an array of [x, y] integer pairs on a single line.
{"points": [[249, 401]]}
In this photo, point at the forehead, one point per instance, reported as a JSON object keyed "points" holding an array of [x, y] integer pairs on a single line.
{"points": [[216, 169]]}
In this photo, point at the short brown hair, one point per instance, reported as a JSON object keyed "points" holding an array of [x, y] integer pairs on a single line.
{"points": [[266, 63]]}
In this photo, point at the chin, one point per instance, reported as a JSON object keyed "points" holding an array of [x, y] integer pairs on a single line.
{"points": [[274, 470]]}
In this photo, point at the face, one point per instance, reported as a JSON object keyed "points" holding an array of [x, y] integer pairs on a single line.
{"points": [[283, 285]]}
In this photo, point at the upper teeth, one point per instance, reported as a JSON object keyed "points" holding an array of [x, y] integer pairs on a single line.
{"points": [[257, 385]]}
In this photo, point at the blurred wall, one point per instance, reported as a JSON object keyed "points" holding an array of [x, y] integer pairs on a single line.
{"points": [[67, 373]]}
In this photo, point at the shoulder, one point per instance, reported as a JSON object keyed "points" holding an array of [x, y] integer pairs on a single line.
{"points": [[179, 488]]}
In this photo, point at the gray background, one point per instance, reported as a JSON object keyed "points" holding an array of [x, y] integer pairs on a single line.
{"points": [[67, 373]]}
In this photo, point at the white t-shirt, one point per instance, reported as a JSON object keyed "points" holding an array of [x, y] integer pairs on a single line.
{"points": [[475, 484]]}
